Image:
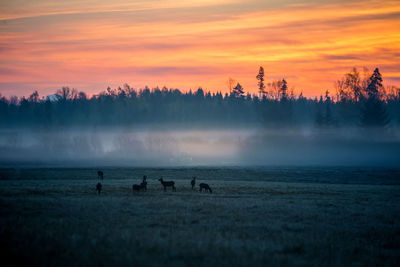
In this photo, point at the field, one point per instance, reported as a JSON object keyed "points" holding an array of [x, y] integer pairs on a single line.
{"points": [[254, 217]]}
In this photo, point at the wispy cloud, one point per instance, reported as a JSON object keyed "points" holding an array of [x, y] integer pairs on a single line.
{"points": [[195, 43]]}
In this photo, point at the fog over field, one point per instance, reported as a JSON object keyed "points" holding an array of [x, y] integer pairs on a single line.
{"points": [[176, 146]]}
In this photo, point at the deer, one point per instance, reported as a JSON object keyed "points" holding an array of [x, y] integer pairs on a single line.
{"points": [[141, 186], [100, 175], [193, 182], [205, 187], [98, 188], [144, 183], [167, 183], [138, 187]]}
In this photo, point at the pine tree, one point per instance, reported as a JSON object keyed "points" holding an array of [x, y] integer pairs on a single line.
{"points": [[260, 78], [374, 84], [283, 90], [373, 113], [328, 121], [237, 91]]}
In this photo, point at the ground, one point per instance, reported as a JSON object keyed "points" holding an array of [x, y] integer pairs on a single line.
{"points": [[254, 217]]}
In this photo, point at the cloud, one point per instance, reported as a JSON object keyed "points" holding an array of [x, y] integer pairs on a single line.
{"points": [[112, 43], [105, 9], [152, 71], [9, 71]]}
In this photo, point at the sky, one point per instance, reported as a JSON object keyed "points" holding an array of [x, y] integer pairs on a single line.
{"points": [[89, 45]]}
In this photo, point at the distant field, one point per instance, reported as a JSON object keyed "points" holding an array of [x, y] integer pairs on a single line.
{"points": [[255, 217], [332, 175]]}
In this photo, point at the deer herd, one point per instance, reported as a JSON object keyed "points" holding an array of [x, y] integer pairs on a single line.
{"points": [[143, 185]]}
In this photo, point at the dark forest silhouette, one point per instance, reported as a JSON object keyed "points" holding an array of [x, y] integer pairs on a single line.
{"points": [[360, 100]]}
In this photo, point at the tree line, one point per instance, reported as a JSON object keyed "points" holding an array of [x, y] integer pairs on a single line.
{"points": [[359, 100]]}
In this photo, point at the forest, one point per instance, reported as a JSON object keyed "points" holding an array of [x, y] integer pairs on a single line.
{"points": [[358, 100]]}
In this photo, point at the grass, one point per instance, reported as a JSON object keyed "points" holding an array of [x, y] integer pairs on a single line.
{"points": [[62, 222]]}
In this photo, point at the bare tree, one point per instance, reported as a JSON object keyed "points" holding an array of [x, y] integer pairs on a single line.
{"points": [[34, 97], [65, 93], [230, 82]]}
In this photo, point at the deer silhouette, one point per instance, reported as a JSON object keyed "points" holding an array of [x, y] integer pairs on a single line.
{"points": [[141, 186], [100, 174], [144, 183], [138, 187], [193, 182], [205, 187], [98, 188], [167, 184]]}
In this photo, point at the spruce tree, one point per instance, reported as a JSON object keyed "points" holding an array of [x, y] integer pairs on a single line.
{"points": [[237, 91], [328, 113], [260, 78], [373, 112], [283, 90]]}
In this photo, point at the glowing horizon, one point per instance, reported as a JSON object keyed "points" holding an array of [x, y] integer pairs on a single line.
{"points": [[90, 45]]}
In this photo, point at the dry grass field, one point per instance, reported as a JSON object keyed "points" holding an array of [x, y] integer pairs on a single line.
{"points": [[254, 217]]}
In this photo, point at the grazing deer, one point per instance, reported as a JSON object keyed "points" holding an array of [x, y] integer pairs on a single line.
{"points": [[167, 183], [205, 187], [100, 174], [138, 187], [141, 186], [98, 188], [193, 182]]}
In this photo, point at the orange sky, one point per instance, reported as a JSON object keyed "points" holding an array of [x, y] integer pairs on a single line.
{"points": [[90, 45]]}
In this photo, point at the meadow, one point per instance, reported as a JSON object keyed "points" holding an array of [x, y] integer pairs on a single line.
{"points": [[277, 216]]}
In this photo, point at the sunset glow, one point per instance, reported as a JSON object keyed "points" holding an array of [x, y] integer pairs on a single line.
{"points": [[90, 45]]}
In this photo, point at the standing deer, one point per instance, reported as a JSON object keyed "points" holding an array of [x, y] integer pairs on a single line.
{"points": [[205, 187], [193, 182], [144, 183], [167, 183], [98, 188], [100, 174]]}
